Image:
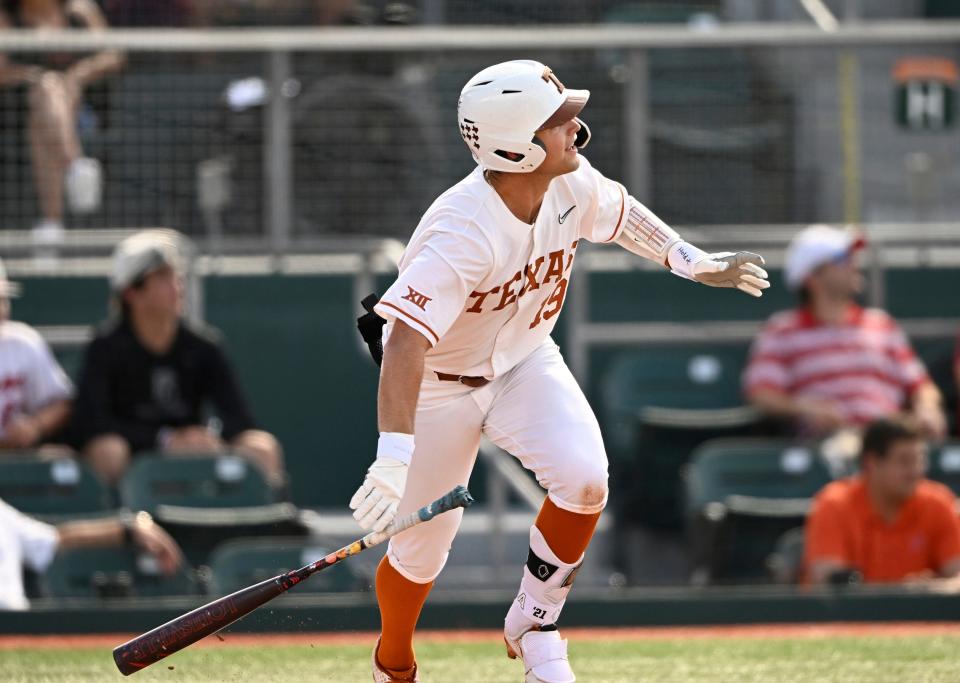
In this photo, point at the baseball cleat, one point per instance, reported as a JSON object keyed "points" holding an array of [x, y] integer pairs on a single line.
{"points": [[382, 676], [544, 655]]}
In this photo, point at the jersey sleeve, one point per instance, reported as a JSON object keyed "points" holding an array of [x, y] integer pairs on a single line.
{"points": [[823, 534], [46, 382], [432, 289], [38, 541], [605, 203]]}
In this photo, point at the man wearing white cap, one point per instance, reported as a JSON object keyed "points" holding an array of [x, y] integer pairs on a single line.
{"points": [[831, 364], [34, 389], [148, 374]]}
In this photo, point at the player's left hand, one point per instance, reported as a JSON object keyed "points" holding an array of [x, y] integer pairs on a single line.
{"points": [[728, 269]]}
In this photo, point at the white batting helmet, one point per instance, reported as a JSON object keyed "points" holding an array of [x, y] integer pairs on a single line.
{"points": [[502, 107]]}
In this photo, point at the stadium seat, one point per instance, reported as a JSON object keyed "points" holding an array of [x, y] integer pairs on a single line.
{"points": [[157, 482], [51, 488], [741, 496], [114, 573], [938, 355], [705, 375], [659, 404], [203, 500], [786, 561], [245, 561], [945, 465]]}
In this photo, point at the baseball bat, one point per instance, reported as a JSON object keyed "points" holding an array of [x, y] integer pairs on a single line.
{"points": [[176, 634]]}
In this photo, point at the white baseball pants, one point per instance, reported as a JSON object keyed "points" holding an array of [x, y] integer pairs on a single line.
{"points": [[536, 412]]}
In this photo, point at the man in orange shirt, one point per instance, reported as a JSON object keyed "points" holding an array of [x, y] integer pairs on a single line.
{"points": [[888, 523]]}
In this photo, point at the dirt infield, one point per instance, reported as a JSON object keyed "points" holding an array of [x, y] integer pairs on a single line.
{"points": [[758, 631]]}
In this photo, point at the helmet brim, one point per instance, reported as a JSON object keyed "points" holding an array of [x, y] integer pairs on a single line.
{"points": [[573, 104]]}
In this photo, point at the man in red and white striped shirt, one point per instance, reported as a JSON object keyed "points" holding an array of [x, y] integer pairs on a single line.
{"points": [[831, 364]]}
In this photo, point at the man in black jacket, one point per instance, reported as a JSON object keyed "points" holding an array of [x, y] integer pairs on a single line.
{"points": [[148, 375]]}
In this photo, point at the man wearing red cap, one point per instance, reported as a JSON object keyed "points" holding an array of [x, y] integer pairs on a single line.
{"points": [[830, 364]]}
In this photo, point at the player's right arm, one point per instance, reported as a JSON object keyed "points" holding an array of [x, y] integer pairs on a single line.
{"points": [[400, 377], [428, 296], [375, 502]]}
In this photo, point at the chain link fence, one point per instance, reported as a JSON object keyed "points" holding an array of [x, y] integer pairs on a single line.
{"points": [[288, 140]]}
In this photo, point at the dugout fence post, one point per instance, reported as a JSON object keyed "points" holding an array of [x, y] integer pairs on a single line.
{"points": [[278, 154], [636, 124]]}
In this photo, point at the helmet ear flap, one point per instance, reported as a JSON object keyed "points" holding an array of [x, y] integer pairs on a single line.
{"points": [[583, 135]]}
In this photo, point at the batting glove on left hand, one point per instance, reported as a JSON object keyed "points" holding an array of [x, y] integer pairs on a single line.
{"points": [[726, 269], [375, 502]]}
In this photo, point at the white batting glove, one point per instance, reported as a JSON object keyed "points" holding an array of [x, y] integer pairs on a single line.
{"points": [[375, 502], [740, 270]]}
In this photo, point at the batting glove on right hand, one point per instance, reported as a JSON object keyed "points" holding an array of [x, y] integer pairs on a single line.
{"points": [[375, 502]]}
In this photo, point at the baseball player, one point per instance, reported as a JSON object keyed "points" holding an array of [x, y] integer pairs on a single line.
{"points": [[467, 351]]}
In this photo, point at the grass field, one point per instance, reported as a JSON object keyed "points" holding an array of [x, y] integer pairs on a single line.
{"points": [[758, 658]]}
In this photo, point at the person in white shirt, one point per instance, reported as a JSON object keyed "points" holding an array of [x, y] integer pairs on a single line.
{"points": [[25, 541], [35, 392], [467, 351]]}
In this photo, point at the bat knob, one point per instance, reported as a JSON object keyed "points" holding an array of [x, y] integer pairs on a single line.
{"points": [[461, 497]]}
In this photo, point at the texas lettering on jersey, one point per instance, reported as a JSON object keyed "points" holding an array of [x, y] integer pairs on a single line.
{"points": [[484, 287], [558, 264]]}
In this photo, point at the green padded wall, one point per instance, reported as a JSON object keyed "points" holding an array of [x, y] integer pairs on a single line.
{"points": [[61, 301], [296, 348], [645, 295], [294, 343]]}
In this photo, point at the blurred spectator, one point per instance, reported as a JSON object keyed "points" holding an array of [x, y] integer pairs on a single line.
{"points": [[25, 541], [956, 376], [268, 13], [148, 374], [34, 389], [151, 13], [831, 364], [54, 84], [888, 523]]}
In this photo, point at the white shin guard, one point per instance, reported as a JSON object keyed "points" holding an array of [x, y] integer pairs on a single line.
{"points": [[544, 588]]}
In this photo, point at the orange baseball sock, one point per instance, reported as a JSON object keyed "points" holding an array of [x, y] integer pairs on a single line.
{"points": [[567, 533], [400, 601]]}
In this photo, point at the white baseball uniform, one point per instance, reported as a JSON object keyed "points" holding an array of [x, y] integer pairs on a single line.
{"points": [[30, 377], [23, 541], [485, 289]]}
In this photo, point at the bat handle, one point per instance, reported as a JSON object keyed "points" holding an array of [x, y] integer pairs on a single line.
{"points": [[458, 497]]}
